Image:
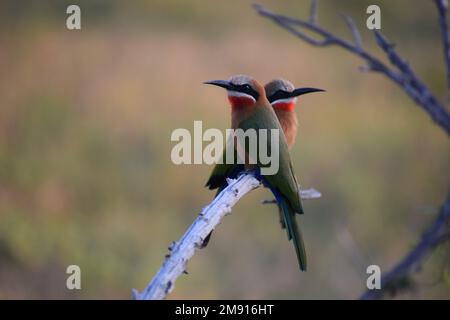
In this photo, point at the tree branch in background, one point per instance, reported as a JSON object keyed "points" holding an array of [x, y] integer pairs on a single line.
{"points": [[442, 6], [313, 13], [355, 32], [398, 277], [400, 73]]}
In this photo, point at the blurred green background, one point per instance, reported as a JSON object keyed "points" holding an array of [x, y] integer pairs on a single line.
{"points": [[85, 170]]}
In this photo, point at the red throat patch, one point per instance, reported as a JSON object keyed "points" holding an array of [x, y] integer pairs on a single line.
{"points": [[240, 101], [286, 106]]}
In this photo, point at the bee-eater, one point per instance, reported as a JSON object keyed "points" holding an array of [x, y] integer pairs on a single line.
{"points": [[250, 109], [282, 95]]}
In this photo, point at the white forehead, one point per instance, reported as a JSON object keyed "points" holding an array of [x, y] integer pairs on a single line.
{"points": [[285, 101], [237, 94]]}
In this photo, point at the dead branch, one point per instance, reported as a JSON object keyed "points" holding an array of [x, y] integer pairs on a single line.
{"points": [[401, 74], [181, 252]]}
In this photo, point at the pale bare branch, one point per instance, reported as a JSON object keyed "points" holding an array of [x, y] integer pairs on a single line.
{"points": [[181, 252]]}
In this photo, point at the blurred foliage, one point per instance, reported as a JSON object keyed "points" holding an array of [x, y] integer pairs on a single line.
{"points": [[85, 170]]}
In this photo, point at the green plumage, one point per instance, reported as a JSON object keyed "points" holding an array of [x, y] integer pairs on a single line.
{"points": [[283, 184], [221, 171], [293, 231], [284, 180]]}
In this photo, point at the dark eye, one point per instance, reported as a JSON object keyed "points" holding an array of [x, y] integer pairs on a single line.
{"points": [[247, 89]]}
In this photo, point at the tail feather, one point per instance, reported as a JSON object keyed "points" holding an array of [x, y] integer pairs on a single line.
{"points": [[294, 233], [281, 217]]}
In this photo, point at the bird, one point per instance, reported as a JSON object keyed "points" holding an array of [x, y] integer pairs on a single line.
{"points": [[250, 109], [282, 95]]}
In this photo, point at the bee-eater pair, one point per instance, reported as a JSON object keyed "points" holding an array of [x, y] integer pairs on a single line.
{"points": [[271, 107]]}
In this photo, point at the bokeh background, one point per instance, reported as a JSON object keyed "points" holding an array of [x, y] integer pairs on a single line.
{"points": [[85, 170]]}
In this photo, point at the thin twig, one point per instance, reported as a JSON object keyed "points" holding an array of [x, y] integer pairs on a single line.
{"points": [[442, 6], [305, 194], [313, 12], [354, 30], [403, 77]]}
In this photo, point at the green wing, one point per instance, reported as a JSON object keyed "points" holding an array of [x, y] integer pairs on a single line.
{"points": [[284, 180], [221, 172], [284, 183]]}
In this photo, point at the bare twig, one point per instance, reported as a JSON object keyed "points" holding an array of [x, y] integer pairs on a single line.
{"points": [[181, 251], [309, 194], [305, 194], [404, 76], [435, 235], [355, 32], [442, 6], [313, 12]]}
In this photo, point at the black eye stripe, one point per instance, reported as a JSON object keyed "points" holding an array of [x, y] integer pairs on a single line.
{"points": [[279, 94], [245, 88]]}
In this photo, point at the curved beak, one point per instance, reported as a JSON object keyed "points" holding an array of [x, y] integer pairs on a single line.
{"points": [[299, 91], [220, 83]]}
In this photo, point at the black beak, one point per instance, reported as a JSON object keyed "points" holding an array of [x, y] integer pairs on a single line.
{"points": [[299, 91], [220, 83]]}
